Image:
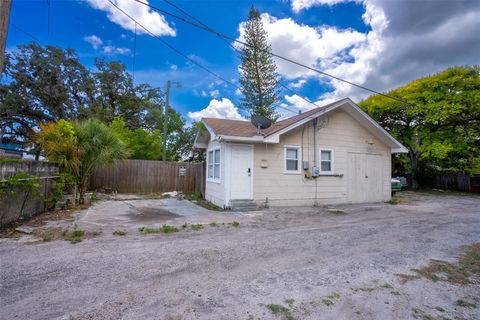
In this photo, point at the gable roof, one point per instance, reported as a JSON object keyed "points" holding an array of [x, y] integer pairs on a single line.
{"points": [[242, 128], [239, 130]]}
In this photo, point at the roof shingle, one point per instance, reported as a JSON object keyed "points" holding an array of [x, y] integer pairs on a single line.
{"points": [[242, 128]]}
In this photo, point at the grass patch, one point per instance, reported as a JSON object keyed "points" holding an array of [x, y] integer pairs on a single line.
{"points": [[336, 211], [468, 264], [393, 201], [77, 235], [289, 301], [280, 310], [163, 229], [196, 227], [119, 233], [440, 309], [370, 289], [395, 293], [198, 200], [214, 224], [328, 300], [465, 304], [235, 224], [47, 238]]}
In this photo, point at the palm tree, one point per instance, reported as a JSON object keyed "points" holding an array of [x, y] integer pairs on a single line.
{"points": [[80, 147]]}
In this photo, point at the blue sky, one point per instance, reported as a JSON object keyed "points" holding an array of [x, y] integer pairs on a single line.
{"points": [[371, 42]]}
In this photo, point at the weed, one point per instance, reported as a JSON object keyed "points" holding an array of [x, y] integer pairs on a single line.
{"points": [[75, 236], [327, 302], [280, 310], [236, 224], [465, 304], [393, 201], [119, 233], [196, 227], [407, 277], [468, 264], [163, 229], [440, 309], [185, 226], [214, 224], [289, 301], [364, 289], [77, 233], [387, 286], [198, 200], [47, 237], [333, 296], [395, 293]]}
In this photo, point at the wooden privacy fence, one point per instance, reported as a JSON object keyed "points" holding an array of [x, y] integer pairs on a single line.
{"points": [[459, 182], [149, 176]]}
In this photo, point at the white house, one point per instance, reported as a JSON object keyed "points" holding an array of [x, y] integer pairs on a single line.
{"points": [[332, 154]]}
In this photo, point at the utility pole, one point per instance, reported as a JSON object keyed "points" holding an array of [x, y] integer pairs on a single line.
{"points": [[5, 6], [165, 117], [165, 122]]}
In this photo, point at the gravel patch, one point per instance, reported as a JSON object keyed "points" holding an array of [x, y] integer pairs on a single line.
{"points": [[289, 260]]}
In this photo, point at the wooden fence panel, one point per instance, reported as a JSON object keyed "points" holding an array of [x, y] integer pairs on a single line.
{"points": [[146, 176], [457, 181]]}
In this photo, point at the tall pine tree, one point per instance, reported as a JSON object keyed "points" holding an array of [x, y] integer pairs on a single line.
{"points": [[258, 77]]}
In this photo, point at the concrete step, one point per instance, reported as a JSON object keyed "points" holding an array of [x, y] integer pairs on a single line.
{"points": [[243, 205]]}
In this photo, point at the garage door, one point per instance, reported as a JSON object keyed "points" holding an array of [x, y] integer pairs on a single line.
{"points": [[365, 177]]}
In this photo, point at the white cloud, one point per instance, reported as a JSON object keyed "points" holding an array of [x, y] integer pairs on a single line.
{"points": [[298, 5], [152, 20], [217, 109], [174, 67], [204, 93], [238, 92], [112, 50], [94, 40], [214, 93], [297, 84], [404, 42], [317, 47]]}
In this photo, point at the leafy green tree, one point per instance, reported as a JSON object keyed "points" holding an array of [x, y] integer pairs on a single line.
{"points": [[80, 147], [181, 148], [142, 144], [258, 77], [43, 84], [439, 124]]}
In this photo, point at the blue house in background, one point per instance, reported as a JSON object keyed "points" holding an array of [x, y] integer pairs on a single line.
{"points": [[11, 150]]}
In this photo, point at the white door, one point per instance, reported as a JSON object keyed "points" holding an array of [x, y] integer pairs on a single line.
{"points": [[365, 177], [241, 172]]}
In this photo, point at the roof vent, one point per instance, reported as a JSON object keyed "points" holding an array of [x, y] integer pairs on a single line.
{"points": [[260, 122]]}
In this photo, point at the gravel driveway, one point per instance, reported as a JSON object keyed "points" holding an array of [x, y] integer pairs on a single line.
{"points": [[297, 263]]}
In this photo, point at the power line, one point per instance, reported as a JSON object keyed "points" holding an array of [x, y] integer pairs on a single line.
{"points": [[236, 50], [25, 32], [221, 35], [175, 49], [169, 45], [184, 55]]}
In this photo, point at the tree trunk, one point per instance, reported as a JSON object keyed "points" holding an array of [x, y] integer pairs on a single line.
{"points": [[413, 156]]}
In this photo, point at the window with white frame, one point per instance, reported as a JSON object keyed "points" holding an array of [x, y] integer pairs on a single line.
{"points": [[213, 164], [326, 161], [292, 159]]}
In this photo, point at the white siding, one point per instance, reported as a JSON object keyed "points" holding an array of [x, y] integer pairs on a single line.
{"points": [[215, 191], [343, 135]]}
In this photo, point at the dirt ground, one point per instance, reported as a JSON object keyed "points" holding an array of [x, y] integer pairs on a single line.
{"points": [[295, 263]]}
